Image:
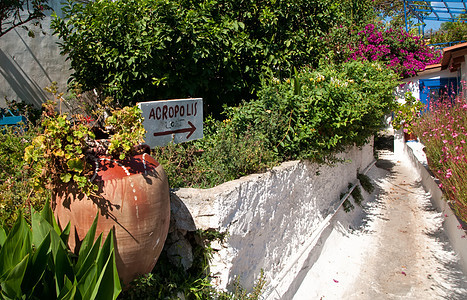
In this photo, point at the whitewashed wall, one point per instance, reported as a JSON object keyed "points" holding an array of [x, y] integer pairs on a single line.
{"points": [[412, 83], [271, 218], [28, 65]]}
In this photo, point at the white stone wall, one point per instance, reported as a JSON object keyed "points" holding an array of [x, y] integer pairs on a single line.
{"points": [[412, 84], [271, 218], [28, 65]]}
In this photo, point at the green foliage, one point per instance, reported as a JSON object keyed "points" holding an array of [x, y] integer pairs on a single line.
{"points": [[15, 187], [36, 264], [335, 107], [347, 205], [223, 155], [66, 150], [127, 125], [357, 195], [450, 32], [392, 13], [58, 153], [16, 190], [168, 281], [17, 13], [407, 113], [366, 183], [312, 116], [218, 50], [240, 293]]}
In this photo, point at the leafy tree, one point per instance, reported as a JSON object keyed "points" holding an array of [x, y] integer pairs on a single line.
{"points": [[393, 11], [141, 50], [16, 13], [450, 32]]}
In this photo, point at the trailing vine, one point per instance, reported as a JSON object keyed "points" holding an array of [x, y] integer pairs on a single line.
{"points": [[67, 148]]}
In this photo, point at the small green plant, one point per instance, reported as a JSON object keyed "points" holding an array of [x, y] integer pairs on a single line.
{"points": [[241, 293], [357, 195], [407, 113], [37, 264], [347, 205], [366, 183], [16, 190], [168, 281], [66, 150], [128, 131], [58, 155]]}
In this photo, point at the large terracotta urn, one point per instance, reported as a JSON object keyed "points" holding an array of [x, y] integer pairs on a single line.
{"points": [[133, 200]]}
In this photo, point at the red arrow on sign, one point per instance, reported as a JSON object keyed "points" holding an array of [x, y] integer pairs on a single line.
{"points": [[191, 130]]}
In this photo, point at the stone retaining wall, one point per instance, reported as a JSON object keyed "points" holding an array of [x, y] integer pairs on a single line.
{"points": [[270, 218]]}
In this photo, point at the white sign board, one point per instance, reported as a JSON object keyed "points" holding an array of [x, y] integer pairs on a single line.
{"points": [[178, 120]]}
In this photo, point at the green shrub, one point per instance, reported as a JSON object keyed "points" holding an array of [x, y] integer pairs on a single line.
{"points": [[37, 264], [312, 116], [320, 112], [140, 50], [16, 190], [223, 155], [357, 195], [365, 182]]}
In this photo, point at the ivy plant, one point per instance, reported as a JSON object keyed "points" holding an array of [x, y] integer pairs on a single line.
{"points": [[66, 150]]}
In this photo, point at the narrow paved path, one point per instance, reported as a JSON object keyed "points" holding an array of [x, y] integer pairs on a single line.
{"points": [[395, 250]]}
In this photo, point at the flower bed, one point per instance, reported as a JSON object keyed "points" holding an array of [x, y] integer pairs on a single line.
{"points": [[443, 131]]}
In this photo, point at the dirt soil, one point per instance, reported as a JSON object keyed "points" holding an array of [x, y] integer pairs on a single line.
{"points": [[392, 247]]}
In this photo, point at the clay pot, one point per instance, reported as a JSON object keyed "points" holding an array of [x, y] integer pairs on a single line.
{"points": [[409, 136], [134, 202]]}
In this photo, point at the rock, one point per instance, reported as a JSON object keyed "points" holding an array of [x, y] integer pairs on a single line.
{"points": [[180, 215], [180, 253]]}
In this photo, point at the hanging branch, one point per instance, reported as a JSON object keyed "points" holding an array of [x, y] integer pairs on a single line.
{"points": [[16, 13]]}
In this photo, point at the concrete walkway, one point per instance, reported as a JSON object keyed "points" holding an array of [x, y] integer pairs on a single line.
{"points": [[393, 247]]}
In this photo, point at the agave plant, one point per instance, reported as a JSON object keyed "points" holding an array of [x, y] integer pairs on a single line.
{"points": [[37, 264]]}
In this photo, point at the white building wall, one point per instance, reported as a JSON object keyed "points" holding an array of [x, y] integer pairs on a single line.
{"points": [[412, 83], [463, 76], [28, 65]]}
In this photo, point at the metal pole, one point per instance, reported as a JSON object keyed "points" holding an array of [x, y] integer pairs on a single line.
{"points": [[405, 16]]}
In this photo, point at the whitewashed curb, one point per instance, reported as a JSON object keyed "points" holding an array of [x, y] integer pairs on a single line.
{"points": [[412, 153]]}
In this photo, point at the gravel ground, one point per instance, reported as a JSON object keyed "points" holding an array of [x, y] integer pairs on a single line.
{"points": [[392, 247]]}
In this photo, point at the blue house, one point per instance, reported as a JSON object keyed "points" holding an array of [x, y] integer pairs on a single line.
{"points": [[446, 78]]}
